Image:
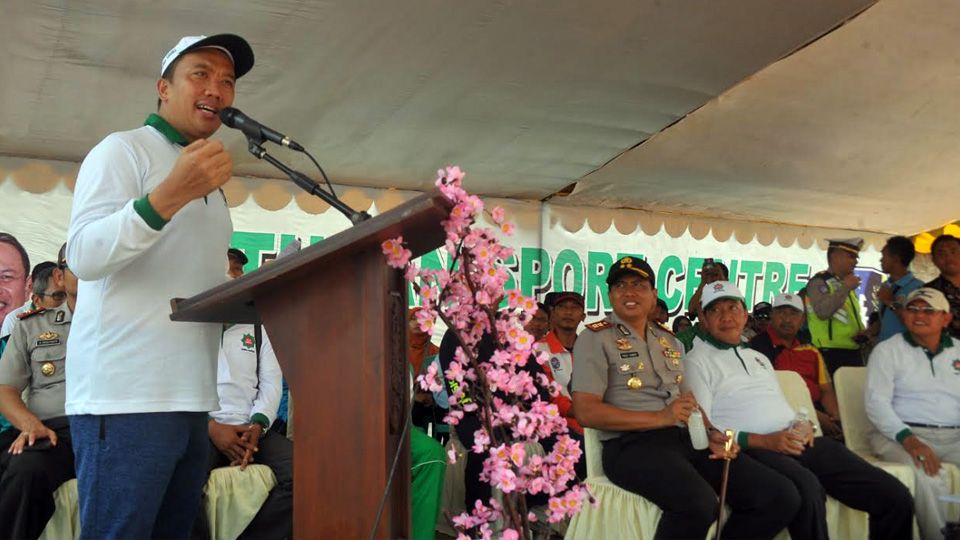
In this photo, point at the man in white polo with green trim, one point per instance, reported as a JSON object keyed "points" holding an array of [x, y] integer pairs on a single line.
{"points": [[150, 223], [913, 398]]}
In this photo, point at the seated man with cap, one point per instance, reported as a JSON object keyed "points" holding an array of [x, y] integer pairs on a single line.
{"points": [[566, 314], [40, 457], [833, 314], [913, 399], [627, 384], [781, 344], [737, 388]]}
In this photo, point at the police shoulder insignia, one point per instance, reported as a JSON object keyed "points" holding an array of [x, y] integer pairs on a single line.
{"points": [[665, 328], [599, 325], [30, 313]]}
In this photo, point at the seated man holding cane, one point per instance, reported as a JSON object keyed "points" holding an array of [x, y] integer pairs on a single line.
{"points": [[626, 382]]}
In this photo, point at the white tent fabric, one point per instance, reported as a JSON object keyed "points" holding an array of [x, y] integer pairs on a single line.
{"points": [[856, 131], [527, 96]]}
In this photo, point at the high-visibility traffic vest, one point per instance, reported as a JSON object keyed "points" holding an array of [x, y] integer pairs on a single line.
{"points": [[837, 331]]}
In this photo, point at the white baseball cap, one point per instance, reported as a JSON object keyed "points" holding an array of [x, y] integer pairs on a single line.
{"points": [[935, 298], [719, 290], [234, 46], [788, 300]]}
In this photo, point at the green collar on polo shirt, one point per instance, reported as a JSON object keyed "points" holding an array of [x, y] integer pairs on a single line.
{"points": [[708, 337], [157, 122], [945, 341]]}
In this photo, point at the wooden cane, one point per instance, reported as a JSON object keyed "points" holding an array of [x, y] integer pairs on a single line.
{"points": [[727, 447]]}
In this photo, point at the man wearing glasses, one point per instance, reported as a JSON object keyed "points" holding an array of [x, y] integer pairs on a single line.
{"points": [[35, 457], [913, 399]]}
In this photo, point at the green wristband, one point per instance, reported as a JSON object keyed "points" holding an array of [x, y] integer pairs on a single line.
{"points": [[743, 439], [146, 211], [903, 434]]}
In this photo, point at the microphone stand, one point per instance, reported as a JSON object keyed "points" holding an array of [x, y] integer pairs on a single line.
{"points": [[305, 182]]}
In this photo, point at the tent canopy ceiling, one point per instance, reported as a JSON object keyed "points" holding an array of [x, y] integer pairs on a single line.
{"points": [[856, 131], [529, 97]]}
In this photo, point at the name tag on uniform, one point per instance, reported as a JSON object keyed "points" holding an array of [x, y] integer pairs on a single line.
{"points": [[48, 338], [632, 354]]}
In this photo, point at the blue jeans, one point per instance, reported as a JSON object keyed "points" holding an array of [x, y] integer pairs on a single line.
{"points": [[139, 475]]}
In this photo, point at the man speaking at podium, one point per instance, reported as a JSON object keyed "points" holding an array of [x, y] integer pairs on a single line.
{"points": [[150, 223]]}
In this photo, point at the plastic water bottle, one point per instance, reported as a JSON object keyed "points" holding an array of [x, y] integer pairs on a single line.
{"points": [[698, 432], [801, 424]]}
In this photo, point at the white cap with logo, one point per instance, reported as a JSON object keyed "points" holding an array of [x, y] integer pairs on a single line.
{"points": [[717, 291], [788, 300]]}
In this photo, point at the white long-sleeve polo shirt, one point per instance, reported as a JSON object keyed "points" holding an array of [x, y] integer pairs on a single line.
{"points": [[907, 383], [126, 355], [737, 388], [245, 393]]}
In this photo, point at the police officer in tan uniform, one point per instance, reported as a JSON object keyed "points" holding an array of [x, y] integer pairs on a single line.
{"points": [[40, 457], [627, 383]]}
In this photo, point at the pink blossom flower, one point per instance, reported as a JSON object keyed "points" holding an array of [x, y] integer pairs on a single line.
{"points": [[397, 255], [497, 215], [499, 390]]}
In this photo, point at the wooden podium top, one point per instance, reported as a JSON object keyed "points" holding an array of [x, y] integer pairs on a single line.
{"points": [[232, 302]]}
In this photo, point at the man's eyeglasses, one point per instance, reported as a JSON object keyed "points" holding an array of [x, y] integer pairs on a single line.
{"points": [[925, 310], [59, 296]]}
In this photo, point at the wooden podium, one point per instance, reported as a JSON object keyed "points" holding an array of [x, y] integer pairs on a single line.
{"points": [[336, 316]]}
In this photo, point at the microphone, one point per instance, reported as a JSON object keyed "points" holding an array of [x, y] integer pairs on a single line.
{"points": [[252, 129]]}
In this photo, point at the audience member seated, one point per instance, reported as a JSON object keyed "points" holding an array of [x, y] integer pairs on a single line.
{"points": [[661, 315], [566, 314], [539, 325], [913, 399], [946, 257], [627, 383], [737, 389], [37, 456], [681, 324], [15, 281], [782, 346], [249, 387], [710, 272]]}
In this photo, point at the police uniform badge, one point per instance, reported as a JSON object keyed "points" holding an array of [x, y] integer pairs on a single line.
{"points": [[634, 383], [60, 316], [626, 367], [48, 369], [48, 338], [599, 325], [623, 344]]}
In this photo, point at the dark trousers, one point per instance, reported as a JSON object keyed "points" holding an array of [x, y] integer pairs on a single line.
{"points": [[27, 483], [474, 488], [275, 517], [662, 466], [838, 358], [139, 475], [828, 468]]}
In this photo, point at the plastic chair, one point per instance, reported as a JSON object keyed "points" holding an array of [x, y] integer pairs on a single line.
{"points": [[849, 383]]}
